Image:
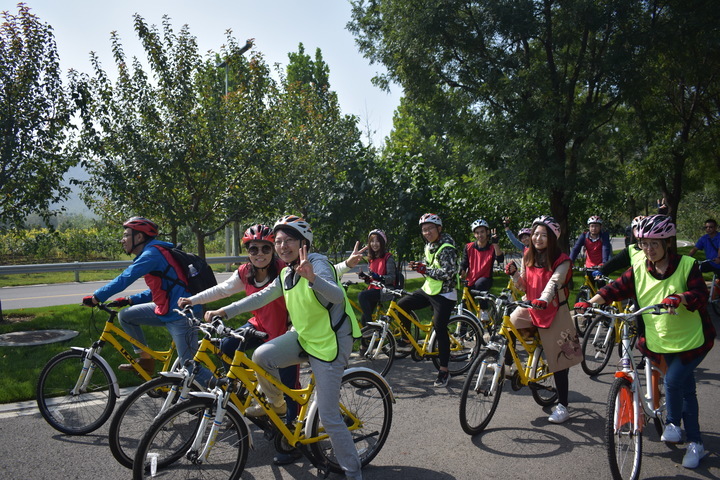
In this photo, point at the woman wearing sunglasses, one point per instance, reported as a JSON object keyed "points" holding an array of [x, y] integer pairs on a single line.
{"points": [[253, 276]]}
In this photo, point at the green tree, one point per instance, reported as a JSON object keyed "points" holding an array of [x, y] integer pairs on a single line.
{"points": [[34, 119], [173, 147], [534, 80], [315, 153]]}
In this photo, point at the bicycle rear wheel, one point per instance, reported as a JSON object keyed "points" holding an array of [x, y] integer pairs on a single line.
{"points": [[171, 437], [375, 350], [597, 345], [80, 412], [480, 397], [465, 344], [137, 413], [366, 410], [623, 443], [544, 392]]}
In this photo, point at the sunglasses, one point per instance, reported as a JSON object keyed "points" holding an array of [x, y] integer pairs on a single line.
{"points": [[254, 250]]}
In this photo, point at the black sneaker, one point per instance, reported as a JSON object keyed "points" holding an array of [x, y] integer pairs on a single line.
{"points": [[403, 346], [287, 458], [442, 379]]}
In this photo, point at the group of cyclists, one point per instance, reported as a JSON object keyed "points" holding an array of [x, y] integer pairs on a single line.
{"points": [[296, 297]]}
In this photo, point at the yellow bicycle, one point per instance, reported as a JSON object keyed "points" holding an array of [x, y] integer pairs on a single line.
{"points": [[378, 345], [483, 386], [207, 436], [156, 396], [77, 389]]}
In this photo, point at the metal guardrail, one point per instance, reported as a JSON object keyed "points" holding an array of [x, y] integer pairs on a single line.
{"points": [[78, 267]]}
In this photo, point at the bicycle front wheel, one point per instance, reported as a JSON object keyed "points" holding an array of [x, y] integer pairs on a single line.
{"points": [[135, 415], [367, 412], [465, 344], [481, 392], [171, 437], [544, 392], [71, 411], [375, 350], [623, 442], [597, 345]]}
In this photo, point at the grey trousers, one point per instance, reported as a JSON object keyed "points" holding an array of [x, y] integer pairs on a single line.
{"points": [[284, 351]]}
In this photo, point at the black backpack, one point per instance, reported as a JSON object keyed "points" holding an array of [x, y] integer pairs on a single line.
{"points": [[197, 271]]}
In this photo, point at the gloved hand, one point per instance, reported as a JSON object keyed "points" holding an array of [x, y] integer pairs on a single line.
{"points": [[596, 274], [466, 283], [511, 268], [89, 301], [364, 277], [494, 239], [581, 307], [376, 277], [419, 267], [119, 302], [539, 304], [672, 301]]}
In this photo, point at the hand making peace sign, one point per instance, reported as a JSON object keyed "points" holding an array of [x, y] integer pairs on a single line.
{"points": [[305, 268]]}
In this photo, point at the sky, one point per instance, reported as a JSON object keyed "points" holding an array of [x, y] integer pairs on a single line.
{"points": [[278, 26]]}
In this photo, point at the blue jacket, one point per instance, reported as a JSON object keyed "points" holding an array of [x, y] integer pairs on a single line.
{"points": [[163, 291]]}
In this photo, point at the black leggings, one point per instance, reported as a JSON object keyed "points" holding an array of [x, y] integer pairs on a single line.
{"points": [[562, 383], [442, 309]]}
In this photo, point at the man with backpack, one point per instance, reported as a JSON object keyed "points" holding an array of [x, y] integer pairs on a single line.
{"points": [[167, 280]]}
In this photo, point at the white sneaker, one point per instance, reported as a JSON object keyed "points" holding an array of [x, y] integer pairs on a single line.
{"points": [[560, 414], [672, 434], [695, 451]]}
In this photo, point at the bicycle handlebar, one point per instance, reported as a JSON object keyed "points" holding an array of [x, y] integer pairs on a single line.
{"points": [[658, 309]]}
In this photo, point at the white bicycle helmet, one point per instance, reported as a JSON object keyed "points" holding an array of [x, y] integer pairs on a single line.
{"points": [[548, 222], [656, 226], [636, 221], [594, 219], [296, 223], [430, 218], [379, 233], [524, 231], [480, 222]]}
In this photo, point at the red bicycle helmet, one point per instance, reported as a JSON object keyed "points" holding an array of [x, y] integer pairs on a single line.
{"points": [[140, 224], [549, 222], [656, 226], [430, 218], [258, 233]]}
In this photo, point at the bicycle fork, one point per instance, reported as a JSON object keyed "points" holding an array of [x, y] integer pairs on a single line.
{"points": [[375, 345], [86, 374]]}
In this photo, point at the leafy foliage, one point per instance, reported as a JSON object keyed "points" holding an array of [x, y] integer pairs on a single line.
{"points": [[34, 119]]}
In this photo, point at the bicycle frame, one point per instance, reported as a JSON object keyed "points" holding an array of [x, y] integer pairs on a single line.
{"points": [[108, 335], [530, 347], [393, 313]]}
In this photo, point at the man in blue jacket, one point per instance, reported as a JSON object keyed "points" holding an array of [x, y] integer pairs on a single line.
{"points": [[154, 306]]}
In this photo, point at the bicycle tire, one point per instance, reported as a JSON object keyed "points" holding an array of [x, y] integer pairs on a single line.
{"points": [[74, 414], [544, 393], [135, 414], [380, 360], [371, 405], [172, 434], [623, 444], [414, 331], [465, 344], [715, 306], [597, 346], [581, 322], [479, 400]]}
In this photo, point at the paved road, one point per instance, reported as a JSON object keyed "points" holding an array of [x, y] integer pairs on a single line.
{"points": [[69, 293], [425, 443]]}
